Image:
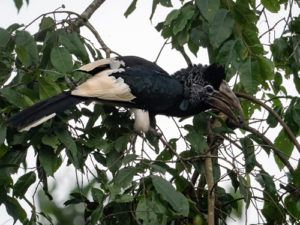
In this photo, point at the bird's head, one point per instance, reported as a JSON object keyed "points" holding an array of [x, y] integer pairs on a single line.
{"points": [[211, 88]]}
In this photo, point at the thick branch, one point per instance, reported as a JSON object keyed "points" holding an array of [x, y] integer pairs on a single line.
{"points": [[88, 12], [275, 115]]}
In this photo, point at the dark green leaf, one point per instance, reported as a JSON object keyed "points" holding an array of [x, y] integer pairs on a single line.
{"points": [[2, 131], [131, 8], [61, 59], [10, 162], [129, 158], [121, 143], [18, 4], [97, 195], [251, 40], [248, 150], [145, 212], [73, 44], [13, 207], [4, 37], [171, 17], [266, 68], [68, 141], [47, 88], [167, 192], [29, 56], [271, 5], [51, 141], [221, 27], [295, 114], [249, 75], [208, 8], [124, 176], [199, 36], [197, 141], [96, 215], [266, 181], [233, 178], [49, 160], [245, 192], [185, 15], [283, 143], [15, 98], [23, 183]]}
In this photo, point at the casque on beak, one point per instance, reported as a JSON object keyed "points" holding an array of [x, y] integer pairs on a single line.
{"points": [[226, 101]]}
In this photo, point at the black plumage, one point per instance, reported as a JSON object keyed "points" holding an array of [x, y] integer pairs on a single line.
{"points": [[134, 82]]}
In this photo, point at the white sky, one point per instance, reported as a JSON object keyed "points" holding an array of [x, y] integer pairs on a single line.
{"points": [[135, 35]]}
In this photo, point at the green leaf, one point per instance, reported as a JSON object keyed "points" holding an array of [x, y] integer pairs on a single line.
{"points": [[249, 75], [49, 160], [250, 35], [121, 143], [97, 195], [271, 5], [283, 143], [295, 114], [14, 97], [124, 176], [29, 56], [171, 17], [249, 153], [2, 131], [18, 4], [208, 8], [197, 141], [10, 162], [186, 13], [68, 141], [61, 59], [51, 141], [245, 192], [23, 183], [13, 207], [266, 181], [47, 25], [233, 177], [167, 192], [266, 68], [47, 88], [199, 36], [96, 215], [131, 8], [221, 27], [4, 37], [73, 44], [129, 158]]}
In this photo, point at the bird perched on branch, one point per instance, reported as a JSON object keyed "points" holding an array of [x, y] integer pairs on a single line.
{"points": [[143, 86]]}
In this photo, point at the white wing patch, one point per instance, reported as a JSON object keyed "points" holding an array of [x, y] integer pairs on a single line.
{"points": [[38, 122], [113, 62], [142, 121], [105, 87]]}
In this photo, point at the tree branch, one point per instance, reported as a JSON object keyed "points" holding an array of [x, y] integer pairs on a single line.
{"points": [[269, 143], [88, 12], [275, 115]]}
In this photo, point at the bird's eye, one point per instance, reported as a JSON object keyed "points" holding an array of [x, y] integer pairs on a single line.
{"points": [[209, 88]]}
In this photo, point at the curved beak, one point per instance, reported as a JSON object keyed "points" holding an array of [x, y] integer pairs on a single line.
{"points": [[226, 101]]}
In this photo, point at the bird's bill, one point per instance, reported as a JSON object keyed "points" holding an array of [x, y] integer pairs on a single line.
{"points": [[226, 101]]}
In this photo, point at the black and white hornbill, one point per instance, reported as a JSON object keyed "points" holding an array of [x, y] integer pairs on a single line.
{"points": [[136, 83]]}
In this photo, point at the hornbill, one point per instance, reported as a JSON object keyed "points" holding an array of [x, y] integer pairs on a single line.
{"points": [[143, 86]]}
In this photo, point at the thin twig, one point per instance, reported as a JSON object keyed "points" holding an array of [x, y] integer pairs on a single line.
{"points": [[106, 49], [275, 115], [161, 49]]}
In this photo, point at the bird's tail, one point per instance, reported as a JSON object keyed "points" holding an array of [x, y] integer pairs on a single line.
{"points": [[43, 111]]}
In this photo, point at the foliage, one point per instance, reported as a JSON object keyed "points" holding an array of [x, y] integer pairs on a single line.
{"points": [[127, 185]]}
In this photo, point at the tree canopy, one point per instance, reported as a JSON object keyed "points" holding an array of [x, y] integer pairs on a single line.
{"points": [[207, 174]]}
